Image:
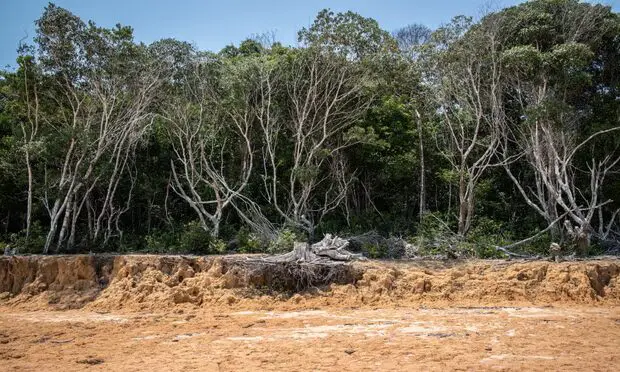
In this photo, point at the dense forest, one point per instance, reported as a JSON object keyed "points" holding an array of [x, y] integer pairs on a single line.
{"points": [[459, 140]]}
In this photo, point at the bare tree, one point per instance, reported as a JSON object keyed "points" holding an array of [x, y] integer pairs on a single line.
{"points": [[104, 120], [100, 87], [469, 99], [550, 153], [211, 142], [548, 131], [324, 98], [30, 126]]}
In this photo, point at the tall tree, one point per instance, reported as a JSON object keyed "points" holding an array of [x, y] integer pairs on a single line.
{"points": [[555, 58], [465, 68], [103, 85], [348, 34], [208, 119], [323, 98]]}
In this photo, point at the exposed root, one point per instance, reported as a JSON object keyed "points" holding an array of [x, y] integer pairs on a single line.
{"points": [[297, 276], [307, 266]]}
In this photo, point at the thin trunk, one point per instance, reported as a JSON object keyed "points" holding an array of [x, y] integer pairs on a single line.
{"points": [[215, 227], [51, 234], [29, 206], [65, 224], [422, 169], [470, 208], [71, 241], [89, 216], [462, 205]]}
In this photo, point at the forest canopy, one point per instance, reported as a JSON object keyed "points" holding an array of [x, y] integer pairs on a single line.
{"points": [[459, 140]]}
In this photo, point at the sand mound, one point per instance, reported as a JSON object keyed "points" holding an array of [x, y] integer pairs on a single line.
{"points": [[140, 282]]}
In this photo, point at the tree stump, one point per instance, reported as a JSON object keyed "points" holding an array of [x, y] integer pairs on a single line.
{"points": [[329, 250]]}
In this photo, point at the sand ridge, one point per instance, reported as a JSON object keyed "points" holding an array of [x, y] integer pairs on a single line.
{"points": [[145, 282]]}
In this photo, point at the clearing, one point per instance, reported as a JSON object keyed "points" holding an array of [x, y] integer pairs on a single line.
{"points": [[172, 313]]}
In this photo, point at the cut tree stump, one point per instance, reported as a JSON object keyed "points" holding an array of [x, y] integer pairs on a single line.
{"points": [[329, 250], [306, 266]]}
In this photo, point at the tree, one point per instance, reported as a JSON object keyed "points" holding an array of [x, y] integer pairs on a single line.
{"points": [[323, 97], [102, 87], [409, 39], [26, 83], [412, 36], [550, 75], [467, 73], [348, 34], [209, 128]]}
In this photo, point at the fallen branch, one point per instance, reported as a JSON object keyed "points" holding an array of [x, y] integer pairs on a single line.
{"points": [[506, 249]]}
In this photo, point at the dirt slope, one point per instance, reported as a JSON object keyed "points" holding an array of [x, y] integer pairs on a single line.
{"points": [[141, 282]]}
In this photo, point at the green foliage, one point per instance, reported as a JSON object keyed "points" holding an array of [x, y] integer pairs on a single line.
{"points": [[249, 242], [347, 33], [558, 63], [523, 60], [436, 238], [371, 250], [194, 239], [284, 242], [485, 235], [32, 244], [191, 239]]}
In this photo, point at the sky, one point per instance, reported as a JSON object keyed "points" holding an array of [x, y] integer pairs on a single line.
{"points": [[211, 25]]}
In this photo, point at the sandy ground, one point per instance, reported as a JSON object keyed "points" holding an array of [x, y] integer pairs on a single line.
{"points": [[172, 313], [399, 339]]}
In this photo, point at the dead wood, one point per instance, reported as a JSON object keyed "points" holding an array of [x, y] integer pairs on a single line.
{"points": [[306, 266]]}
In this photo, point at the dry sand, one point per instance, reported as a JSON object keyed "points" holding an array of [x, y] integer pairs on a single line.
{"points": [[130, 313]]}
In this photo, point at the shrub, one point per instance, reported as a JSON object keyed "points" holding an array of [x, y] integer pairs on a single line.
{"points": [[194, 239], [249, 242], [437, 237], [374, 250], [485, 235], [217, 246], [284, 242], [191, 238], [34, 244]]}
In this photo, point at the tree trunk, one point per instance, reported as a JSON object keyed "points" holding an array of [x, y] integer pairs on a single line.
{"points": [[65, 224], [462, 205], [422, 168], [301, 251], [29, 206], [71, 241], [51, 234], [89, 216], [215, 227], [471, 204]]}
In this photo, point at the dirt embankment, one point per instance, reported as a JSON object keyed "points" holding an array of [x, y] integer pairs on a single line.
{"points": [[141, 282]]}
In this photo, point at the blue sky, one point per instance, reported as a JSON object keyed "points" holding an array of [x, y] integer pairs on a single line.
{"points": [[211, 25]]}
